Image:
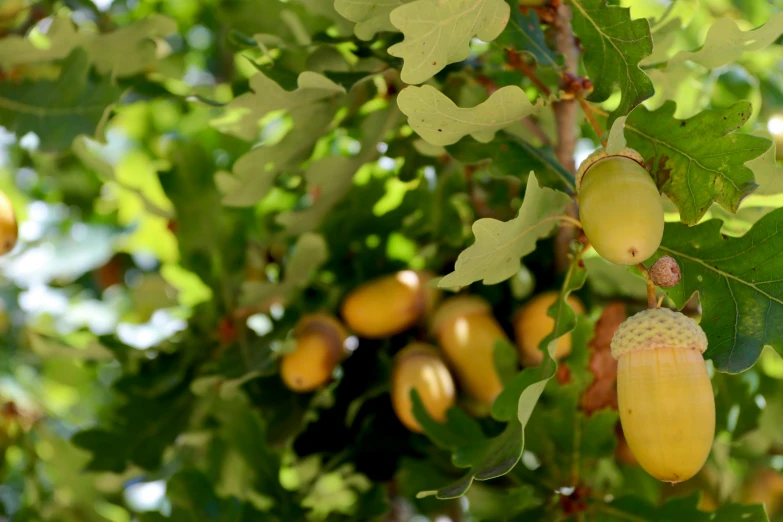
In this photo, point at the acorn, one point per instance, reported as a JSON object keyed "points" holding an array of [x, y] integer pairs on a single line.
{"points": [[320, 346], [619, 206], [390, 304], [467, 333], [665, 398], [419, 366], [532, 324]]}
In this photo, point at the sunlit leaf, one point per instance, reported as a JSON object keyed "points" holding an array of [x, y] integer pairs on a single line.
{"points": [[439, 33], [499, 246], [439, 121]]}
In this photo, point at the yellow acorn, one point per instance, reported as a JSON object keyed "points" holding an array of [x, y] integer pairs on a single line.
{"points": [[9, 230], [419, 366], [467, 333], [619, 206], [320, 340], [390, 304], [532, 324], [665, 398]]}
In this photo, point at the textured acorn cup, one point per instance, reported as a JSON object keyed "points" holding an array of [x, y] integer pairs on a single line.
{"points": [[9, 229], [532, 324], [664, 393], [619, 206], [467, 333], [320, 345], [419, 366], [390, 304]]}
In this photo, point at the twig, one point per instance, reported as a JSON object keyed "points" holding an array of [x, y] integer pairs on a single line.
{"points": [[589, 115], [520, 64], [652, 302]]}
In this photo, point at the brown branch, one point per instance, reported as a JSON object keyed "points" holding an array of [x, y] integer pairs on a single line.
{"points": [[565, 119]]}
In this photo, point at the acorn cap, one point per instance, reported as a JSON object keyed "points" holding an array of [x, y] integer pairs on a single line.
{"points": [[658, 328], [458, 306], [601, 154]]}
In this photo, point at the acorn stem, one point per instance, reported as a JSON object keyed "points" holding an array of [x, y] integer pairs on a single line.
{"points": [[652, 302], [572, 220], [591, 118]]}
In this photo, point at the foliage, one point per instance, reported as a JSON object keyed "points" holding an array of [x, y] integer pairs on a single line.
{"points": [[193, 177]]}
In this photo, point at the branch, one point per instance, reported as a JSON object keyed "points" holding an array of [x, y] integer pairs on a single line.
{"points": [[566, 118]]}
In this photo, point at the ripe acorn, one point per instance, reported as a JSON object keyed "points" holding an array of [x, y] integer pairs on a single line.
{"points": [[667, 408], [467, 333], [320, 340], [390, 304], [419, 366], [9, 229], [532, 324], [619, 206]]}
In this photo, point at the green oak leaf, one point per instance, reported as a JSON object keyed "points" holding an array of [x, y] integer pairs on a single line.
{"points": [[676, 510], [309, 253], [255, 172], [438, 120], [371, 16], [726, 42], [329, 179], [509, 155], [523, 34], [439, 33], [499, 246], [124, 52], [58, 111], [665, 29], [242, 114], [699, 160], [493, 457], [739, 285], [617, 44]]}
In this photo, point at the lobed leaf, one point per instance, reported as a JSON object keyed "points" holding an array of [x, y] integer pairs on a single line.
{"points": [[495, 256], [243, 113], [523, 34], [616, 46], [124, 52], [438, 120], [726, 42], [438, 33], [58, 111], [698, 160], [371, 16], [739, 285]]}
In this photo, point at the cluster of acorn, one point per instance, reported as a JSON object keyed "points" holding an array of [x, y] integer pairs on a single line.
{"points": [[665, 398], [463, 327]]}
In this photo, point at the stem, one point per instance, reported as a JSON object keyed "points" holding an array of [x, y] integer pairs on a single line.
{"points": [[589, 115], [652, 302], [572, 220], [520, 64]]}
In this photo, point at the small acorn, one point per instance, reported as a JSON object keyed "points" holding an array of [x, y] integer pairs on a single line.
{"points": [[320, 346], [665, 398], [467, 333], [619, 206], [419, 366], [665, 272], [532, 324], [390, 304]]}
